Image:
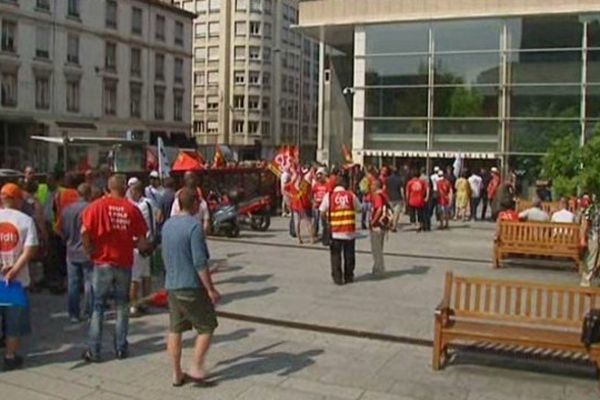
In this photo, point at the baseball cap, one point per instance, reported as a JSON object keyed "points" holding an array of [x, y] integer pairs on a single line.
{"points": [[440, 173], [132, 181], [322, 170], [436, 169], [12, 191], [154, 174], [494, 169]]}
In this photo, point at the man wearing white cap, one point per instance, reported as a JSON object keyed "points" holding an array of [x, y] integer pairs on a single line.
{"points": [[154, 191]]}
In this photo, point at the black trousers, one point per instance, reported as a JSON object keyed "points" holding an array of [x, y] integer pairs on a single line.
{"points": [[347, 248]]}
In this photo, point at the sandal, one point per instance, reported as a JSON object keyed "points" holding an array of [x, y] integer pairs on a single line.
{"points": [[201, 382]]}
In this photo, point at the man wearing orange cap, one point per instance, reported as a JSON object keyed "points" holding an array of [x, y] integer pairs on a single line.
{"points": [[18, 244]]}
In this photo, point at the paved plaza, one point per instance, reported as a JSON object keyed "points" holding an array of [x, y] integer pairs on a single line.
{"points": [[267, 275]]}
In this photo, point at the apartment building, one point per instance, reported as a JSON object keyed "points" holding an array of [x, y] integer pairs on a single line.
{"points": [[254, 77], [91, 68]]}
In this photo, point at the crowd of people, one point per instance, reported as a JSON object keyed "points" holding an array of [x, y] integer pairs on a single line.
{"points": [[102, 236]]}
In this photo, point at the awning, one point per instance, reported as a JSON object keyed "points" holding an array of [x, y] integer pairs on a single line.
{"points": [[430, 154], [60, 141], [76, 125]]}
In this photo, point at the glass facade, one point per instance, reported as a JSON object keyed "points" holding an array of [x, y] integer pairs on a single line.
{"points": [[507, 86]]}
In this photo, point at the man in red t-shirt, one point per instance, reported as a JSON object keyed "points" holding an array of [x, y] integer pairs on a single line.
{"points": [[111, 228], [320, 188], [445, 193], [417, 192], [376, 230]]}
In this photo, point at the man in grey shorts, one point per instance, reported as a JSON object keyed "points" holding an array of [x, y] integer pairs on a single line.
{"points": [[191, 292]]}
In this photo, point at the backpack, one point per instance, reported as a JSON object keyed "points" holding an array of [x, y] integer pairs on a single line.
{"points": [[386, 221], [590, 333]]}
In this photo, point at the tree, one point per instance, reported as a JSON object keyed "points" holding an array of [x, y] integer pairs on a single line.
{"points": [[562, 164], [589, 176]]}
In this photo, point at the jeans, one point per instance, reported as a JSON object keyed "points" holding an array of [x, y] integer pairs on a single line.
{"points": [[78, 274], [474, 205], [316, 217], [377, 241], [347, 247], [365, 215], [484, 204], [109, 281]]}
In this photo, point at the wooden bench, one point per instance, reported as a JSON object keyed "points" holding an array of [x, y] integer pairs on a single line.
{"points": [[549, 206], [527, 316], [537, 239]]}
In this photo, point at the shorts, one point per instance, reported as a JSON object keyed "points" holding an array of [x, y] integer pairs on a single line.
{"points": [[141, 267], [191, 309], [15, 321]]}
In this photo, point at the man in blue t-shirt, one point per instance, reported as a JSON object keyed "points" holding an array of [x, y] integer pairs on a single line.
{"points": [[192, 295]]}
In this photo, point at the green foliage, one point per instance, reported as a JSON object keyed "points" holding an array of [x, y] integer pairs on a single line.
{"points": [[466, 103], [589, 177]]}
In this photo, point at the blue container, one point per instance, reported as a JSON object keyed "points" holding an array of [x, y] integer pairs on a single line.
{"points": [[12, 295]]}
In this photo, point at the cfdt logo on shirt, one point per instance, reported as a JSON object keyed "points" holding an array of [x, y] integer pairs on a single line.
{"points": [[9, 237]]}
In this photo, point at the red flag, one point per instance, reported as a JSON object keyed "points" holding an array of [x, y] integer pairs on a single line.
{"points": [[286, 158], [347, 155], [219, 159], [188, 161]]}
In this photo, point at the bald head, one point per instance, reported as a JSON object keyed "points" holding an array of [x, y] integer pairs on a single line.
{"points": [[189, 180], [117, 185], [85, 191]]}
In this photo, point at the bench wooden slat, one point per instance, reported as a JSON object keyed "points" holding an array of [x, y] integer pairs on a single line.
{"points": [[477, 301]]}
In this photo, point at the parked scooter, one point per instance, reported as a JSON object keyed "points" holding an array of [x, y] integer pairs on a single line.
{"points": [[223, 216], [256, 213]]}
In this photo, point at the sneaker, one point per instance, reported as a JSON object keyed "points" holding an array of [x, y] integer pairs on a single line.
{"points": [[122, 355], [89, 357], [134, 312], [10, 364], [74, 320]]}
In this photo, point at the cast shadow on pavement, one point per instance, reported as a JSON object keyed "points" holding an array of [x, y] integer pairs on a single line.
{"points": [[227, 298], [415, 270], [246, 279], [264, 362]]}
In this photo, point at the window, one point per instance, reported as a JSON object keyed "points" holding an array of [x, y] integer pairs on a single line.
{"points": [[239, 77], [178, 105], [73, 49], [42, 42], [267, 30], [266, 79], [238, 126], [200, 54], [241, 5], [254, 78], [215, 5], [201, 6], [200, 29], [179, 33], [212, 127], [267, 55], [252, 127], [238, 102], [266, 128], [159, 67], [267, 6], [9, 36], [42, 4], [266, 105], [42, 92], [136, 21], [255, 6], [159, 102], [8, 89], [73, 95], [253, 103], [135, 100], [254, 53], [160, 28], [111, 14], [178, 70], [239, 53], [213, 78], [110, 56], [199, 78], [212, 103], [254, 28], [110, 97], [73, 8], [136, 62], [240, 28], [198, 126], [199, 103], [214, 29], [213, 53]]}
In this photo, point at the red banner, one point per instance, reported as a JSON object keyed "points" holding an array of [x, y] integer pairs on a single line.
{"points": [[286, 158]]}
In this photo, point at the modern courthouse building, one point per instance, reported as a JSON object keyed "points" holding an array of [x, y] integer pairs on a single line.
{"points": [[255, 77], [425, 79], [91, 68]]}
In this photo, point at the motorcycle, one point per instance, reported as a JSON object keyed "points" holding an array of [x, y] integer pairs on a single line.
{"points": [[256, 213], [224, 217]]}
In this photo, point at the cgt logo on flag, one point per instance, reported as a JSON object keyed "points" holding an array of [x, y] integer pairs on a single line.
{"points": [[9, 237]]}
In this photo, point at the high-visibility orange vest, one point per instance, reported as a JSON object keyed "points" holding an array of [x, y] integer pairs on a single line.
{"points": [[342, 212], [63, 199]]}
